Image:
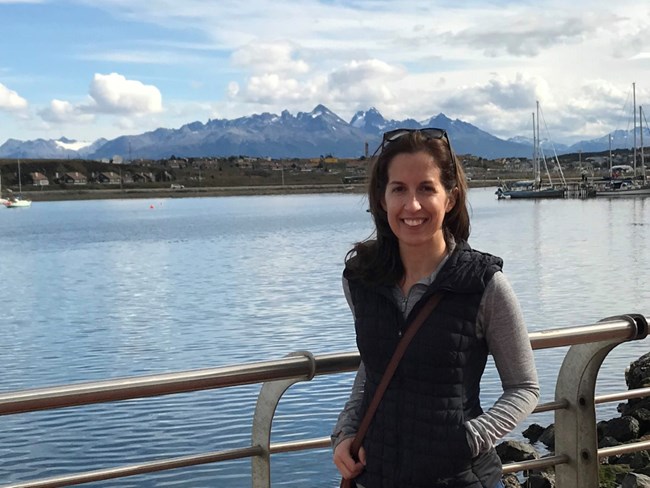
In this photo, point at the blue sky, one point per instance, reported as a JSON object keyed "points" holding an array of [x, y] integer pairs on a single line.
{"points": [[88, 69]]}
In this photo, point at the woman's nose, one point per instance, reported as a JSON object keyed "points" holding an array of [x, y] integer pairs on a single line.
{"points": [[412, 203]]}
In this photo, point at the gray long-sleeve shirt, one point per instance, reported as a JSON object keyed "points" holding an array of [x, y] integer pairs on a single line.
{"points": [[501, 322]]}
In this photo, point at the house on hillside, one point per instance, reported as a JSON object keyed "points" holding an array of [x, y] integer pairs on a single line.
{"points": [[74, 178], [143, 178], [176, 163], [109, 178], [39, 179], [164, 176]]}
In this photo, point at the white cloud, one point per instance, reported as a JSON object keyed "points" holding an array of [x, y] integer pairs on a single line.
{"points": [[233, 89], [278, 57], [351, 86], [274, 89], [500, 92], [11, 101], [365, 83], [62, 112], [114, 94], [481, 61], [140, 56], [125, 123], [110, 94], [523, 36]]}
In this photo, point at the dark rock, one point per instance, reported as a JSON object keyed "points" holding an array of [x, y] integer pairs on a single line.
{"points": [[643, 416], [622, 429], [637, 375], [634, 480], [511, 481], [533, 432], [608, 441], [548, 436], [600, 428], [515, 451], [636, 460], [541, 480], [633, 405]]}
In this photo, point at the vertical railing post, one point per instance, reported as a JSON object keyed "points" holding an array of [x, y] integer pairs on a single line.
{"points": [[575, 426], [267, 402]]}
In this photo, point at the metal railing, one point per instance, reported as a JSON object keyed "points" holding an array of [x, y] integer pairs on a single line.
{"points": [[576, 450]]}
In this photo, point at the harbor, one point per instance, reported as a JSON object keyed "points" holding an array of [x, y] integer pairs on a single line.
{"points": [[109, 289]]}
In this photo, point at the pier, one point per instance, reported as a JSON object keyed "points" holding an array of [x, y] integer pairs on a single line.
{"points": [[576, 444]]}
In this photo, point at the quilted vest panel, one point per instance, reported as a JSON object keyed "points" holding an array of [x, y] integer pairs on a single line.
{"points": [[417, 438]]}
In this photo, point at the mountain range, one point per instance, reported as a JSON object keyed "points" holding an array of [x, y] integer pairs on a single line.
{"points": [[304, 135]]}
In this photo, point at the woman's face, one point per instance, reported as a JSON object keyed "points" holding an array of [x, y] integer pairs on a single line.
{"points": [[416, 201]]}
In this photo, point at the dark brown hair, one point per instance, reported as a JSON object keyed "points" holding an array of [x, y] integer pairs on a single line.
{"points": [[377, 260]]}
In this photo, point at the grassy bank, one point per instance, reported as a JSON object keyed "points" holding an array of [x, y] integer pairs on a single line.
{"points": [[203, 191], [100, 194]]}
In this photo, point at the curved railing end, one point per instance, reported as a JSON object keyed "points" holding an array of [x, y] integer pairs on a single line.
{"points": [[636, 321], [641, 326]]}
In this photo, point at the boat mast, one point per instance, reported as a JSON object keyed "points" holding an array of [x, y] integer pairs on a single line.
{"points": [[634, 131], [20, 186], [538, 170], [641, 135], [610, 155], [534, 152]]}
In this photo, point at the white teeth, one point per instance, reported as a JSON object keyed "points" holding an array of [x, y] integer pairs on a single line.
{"points": [[413, 222]]}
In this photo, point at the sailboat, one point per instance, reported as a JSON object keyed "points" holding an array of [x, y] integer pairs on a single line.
{"points": [[629, 187], [2, 200], [533, 188], [19, 201]]}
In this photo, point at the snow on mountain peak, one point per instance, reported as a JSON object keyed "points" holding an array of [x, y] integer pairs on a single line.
{"points": [[70, 145]]}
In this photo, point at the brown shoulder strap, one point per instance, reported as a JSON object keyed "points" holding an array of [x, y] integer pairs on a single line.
{"points": [[424, 312]]}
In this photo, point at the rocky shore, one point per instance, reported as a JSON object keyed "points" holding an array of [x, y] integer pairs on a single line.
{"points": [[624, 471]]}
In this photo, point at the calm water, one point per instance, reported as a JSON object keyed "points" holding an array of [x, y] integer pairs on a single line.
{"points": [[100, 289]]}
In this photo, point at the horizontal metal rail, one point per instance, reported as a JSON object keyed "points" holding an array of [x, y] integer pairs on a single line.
{"points": [[170, 383], [542, 463], [302, 366], [623, 449], [609, 329], [600, 399], [625, 395], [141, 468], [291, 367], [550, 406]]}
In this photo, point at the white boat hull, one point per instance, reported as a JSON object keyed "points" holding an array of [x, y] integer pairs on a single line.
{"points": [[17, 203]]}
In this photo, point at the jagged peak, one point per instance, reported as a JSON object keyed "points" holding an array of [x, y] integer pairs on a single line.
{"points": [[369, 118], [320, 108], [365, 125], [197, 125]]}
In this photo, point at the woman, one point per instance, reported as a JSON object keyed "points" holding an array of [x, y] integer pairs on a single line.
{"points": [[429, 429]]}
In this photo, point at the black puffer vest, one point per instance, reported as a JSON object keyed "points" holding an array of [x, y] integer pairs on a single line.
{"points": [[417, 438]]}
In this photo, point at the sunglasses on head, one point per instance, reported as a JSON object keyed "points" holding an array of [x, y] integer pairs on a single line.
{"points": [[427, 133]]}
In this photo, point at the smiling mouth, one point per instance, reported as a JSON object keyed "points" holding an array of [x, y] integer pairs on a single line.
{"points": [[413, 222]]}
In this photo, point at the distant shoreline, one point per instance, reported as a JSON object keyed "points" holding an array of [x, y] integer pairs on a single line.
{"points": [[197, 192]]}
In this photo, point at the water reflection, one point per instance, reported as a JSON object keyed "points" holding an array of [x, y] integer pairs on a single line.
{"points": [[115, 288]]}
